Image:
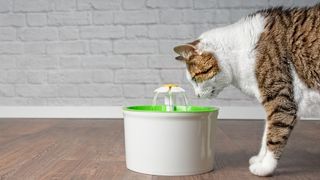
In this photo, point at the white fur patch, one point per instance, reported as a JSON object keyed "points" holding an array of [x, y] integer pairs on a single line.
{"points": [[234, 48], [263, 149], [266, 166], [308, 100]]}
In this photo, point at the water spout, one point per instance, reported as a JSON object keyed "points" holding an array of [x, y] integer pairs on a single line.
{"points": [[171, 92]]}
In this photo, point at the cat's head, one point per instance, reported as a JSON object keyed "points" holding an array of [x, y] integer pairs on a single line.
{"points": [[204, 71]]}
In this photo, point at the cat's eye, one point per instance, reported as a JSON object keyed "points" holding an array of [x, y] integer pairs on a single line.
{"points": [[195, 80], [179, 58]]}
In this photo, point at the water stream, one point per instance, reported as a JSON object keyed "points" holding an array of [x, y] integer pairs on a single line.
{"points": [[155, 97], [170, 100]]}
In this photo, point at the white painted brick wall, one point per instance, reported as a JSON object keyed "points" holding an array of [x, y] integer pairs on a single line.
{"points": [[38, 34], [106, 52], [36, 19], [102, 32]]}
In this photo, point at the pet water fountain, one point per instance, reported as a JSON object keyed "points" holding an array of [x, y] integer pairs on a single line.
{"points": [[170, 139]]}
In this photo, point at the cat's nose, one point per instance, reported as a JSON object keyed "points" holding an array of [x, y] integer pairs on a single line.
{"points": [[213, 89]]}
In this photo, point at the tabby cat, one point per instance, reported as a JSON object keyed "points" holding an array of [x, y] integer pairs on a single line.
{"points": [[273, 55]]}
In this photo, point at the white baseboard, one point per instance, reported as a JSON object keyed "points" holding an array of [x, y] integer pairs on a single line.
{"points": [[113, 112]]}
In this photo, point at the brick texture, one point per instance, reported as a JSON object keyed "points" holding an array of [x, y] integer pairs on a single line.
{"points": [[107, 52]]}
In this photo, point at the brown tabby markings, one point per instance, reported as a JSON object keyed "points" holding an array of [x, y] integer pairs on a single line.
{"points": [[201, 67], [291, 39]]}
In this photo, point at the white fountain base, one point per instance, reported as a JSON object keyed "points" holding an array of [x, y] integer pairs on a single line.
{"points": [[171, 144]]}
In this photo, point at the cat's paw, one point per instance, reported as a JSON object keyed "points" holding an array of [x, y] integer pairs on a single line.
{"points": [[262, 169], [265, 167], [255, 159]]}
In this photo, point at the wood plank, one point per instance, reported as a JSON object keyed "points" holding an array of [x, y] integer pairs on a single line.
{"points": [[94, 149], [296, 160]]}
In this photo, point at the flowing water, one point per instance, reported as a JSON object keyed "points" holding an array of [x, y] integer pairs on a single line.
{"points": [[186, 103], [170, 100], [155, 97]]}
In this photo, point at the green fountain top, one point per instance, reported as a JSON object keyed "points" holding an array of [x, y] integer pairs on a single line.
{"points": [[170, 93], [176, 109]]}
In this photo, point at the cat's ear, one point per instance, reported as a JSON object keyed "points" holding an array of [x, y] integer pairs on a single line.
{"points": [[185, 51]]}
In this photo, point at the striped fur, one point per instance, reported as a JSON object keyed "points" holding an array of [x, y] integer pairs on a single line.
{"points": [[291, 41], [273, 55]]}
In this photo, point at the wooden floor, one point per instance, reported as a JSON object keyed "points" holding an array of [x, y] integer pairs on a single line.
{"points": [[94, 149]]}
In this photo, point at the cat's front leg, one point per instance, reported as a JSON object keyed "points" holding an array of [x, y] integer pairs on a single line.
{"points": [[281, 119], [263, 149]]}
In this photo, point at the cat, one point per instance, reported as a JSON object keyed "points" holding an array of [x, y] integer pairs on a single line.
{"points": [[273, 55]]}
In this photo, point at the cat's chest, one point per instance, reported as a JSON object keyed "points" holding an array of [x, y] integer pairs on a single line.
{"points": [[244, 74]]}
